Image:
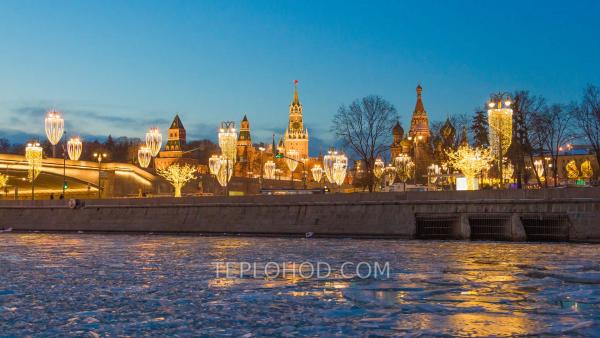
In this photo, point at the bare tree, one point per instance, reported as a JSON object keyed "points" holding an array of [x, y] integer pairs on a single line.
{"points": [[366, 127], [552, 129], [586, 116]]}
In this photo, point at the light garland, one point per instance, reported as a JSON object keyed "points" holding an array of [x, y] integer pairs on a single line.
{"points": [[270, 168], [378, 167], [228, 141], [404, 167], [317, 173], [74, 148], [34, 156], [154, 141], [144, 156], [339, 169], [225, 171], [292, 158], [500, 129], [470, 161], [54, 126]]}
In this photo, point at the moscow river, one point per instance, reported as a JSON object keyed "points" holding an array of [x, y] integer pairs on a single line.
{"points": [[133, 285]]}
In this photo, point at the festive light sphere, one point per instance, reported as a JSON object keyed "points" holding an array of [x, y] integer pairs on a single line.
{"points": [[74, 148], [55, 127], [154, 141], [500, 130], [270, 168], [144, 156], [292, 158], [178, 175], [34, 156], [228, 141], [404, 167], [317, 173], [378, 167], [339, 169]]}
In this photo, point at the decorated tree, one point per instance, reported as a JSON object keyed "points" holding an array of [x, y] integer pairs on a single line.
{"points": [[178, 175], [470, 161]]}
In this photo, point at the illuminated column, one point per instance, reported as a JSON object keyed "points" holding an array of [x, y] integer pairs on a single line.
{"points": [[500, 128], [33, 154], [228, 144]]}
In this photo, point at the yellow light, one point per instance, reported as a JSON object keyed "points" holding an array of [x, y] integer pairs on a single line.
{"points": [[34, 156], [572, 171], [74, 148], [178, 175], [491, 105], [470, 161]]}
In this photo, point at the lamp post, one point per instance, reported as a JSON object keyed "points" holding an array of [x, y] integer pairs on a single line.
{"points": [[33, 154], [260, 181], [54, 126], [500, 128], [99, 157], [228, 145]]}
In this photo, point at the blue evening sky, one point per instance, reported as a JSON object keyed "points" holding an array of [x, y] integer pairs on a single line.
{"points": [[119, 67]]}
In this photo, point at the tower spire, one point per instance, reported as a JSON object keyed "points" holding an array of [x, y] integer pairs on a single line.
{"points": [[296, 100]]}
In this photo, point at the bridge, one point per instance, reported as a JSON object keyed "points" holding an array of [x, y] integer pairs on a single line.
{"points": [[82, 177]]}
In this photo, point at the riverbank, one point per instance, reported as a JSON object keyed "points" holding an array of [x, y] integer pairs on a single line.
{"points": [[543, 215]]}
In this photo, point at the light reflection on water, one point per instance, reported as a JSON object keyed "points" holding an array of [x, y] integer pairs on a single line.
{"points": [[57, 284]]}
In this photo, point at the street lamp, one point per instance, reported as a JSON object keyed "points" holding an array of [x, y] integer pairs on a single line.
{"points": [[55, 127], [33, 154], [500, 128], [228, 145], [99, 157], [144, 156]]}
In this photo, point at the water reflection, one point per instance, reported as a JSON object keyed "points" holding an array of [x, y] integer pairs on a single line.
{"points": [[168, 285]]}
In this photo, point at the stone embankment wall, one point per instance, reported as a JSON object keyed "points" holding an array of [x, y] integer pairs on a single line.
{"points": [[554, 214]]}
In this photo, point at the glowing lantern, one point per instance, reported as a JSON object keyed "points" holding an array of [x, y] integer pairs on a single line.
{"points": [[55, 128], [539, 168], [154, 141], [328, 161], [214, 164], [390, 174], [292, 158], [225, 172], [144, 156], [33, 154], [339, 169], [500, 127], [404, 167], [228, 141]]}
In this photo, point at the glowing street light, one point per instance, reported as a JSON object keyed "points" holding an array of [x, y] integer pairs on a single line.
{"points": [[99, 157], [55, 128], [33, 155], [74, 148], [144, 156], [500, 127]]}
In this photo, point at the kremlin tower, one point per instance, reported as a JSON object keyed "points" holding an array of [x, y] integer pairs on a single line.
{"points": [[420, 137], [296, 136]]}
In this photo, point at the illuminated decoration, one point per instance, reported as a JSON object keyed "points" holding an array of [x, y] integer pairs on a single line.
{"points": [[178, 175], [270, 168], [317, 173], [3, 181], [228, 141], [339, 169], [74, 148], [586, 170], [390, 174], [572, 171], [214, 164], [466, 183], [539, 168], [507, 171], [378, 168], [33, 154], [154, 141], [144, 156], [433, 171], [225, 171], [292, 158], [470, 161], [404, 167], [55, 128], [500, 127], [328, 161]]}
